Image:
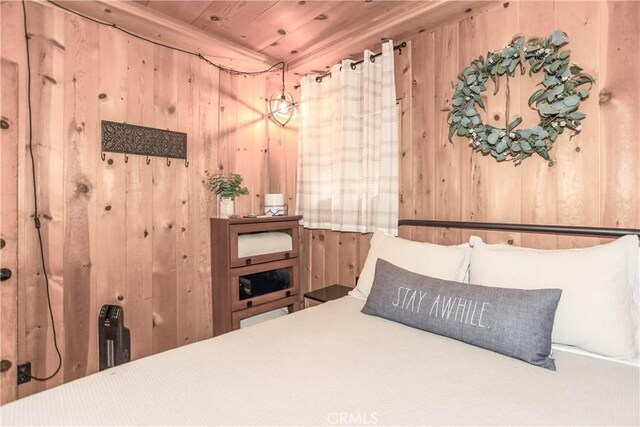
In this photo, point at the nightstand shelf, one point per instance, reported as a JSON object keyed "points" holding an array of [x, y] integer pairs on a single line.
{"points": [[327, 294]]}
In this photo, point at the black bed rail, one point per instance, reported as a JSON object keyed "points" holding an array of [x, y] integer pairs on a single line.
{"points": [[524, 228]]}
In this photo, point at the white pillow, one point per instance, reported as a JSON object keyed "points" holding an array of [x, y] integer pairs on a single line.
{"points": [[598, 311], [442, 262]]}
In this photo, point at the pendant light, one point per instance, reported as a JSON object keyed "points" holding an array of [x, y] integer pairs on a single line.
{"points": [[282, 106]]}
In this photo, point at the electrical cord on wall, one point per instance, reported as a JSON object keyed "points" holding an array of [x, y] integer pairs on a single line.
{"points": [[36, 217], [275, 67]]}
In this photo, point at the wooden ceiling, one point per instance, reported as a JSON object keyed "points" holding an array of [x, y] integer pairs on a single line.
{"points": [[311, 35]]}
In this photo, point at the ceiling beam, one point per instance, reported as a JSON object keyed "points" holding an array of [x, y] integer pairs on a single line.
{"points": [[423, 16], [161, 28]]}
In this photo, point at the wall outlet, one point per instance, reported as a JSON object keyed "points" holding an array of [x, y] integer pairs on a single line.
{"points": [[24, 373]]}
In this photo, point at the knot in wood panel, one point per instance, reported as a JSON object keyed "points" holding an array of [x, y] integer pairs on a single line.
{"points": [[604, 97], [83, 188]]}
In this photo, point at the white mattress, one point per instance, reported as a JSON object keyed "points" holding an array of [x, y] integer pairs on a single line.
{"points": [[252, 244], [331, 363]]}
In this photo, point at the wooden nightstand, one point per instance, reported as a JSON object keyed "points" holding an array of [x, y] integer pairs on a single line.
{"points": [[326, 294], [230, 270]]}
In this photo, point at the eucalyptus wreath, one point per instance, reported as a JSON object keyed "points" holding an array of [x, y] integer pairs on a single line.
{"points": [[564, 86]]}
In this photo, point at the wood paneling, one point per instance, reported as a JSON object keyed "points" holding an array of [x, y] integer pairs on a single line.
{"points": [[595, 179], [311, 35], [114, 232], [137, 235], [9, 229]]}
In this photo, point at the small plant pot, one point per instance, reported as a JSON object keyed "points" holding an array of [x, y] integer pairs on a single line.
{"points": [[227, 207]]}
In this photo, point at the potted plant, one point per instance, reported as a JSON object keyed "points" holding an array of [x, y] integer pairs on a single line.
{"points": [[228, 187]]}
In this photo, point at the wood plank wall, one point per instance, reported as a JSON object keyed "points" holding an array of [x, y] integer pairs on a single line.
{"points": [[596, 177], [137, 235], [114, 233]]}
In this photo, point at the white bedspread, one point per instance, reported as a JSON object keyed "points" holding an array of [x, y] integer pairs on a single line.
{"points": [[333, 365]]}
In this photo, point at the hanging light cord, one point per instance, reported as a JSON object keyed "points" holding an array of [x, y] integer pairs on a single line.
{"points": [[36, 215], [275, 67]]}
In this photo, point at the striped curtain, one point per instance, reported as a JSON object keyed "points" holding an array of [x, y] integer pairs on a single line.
{"points": [[349, 147]]}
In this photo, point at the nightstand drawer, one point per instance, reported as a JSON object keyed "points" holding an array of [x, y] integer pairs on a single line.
{"points": [[259, 284], [251, 244]]}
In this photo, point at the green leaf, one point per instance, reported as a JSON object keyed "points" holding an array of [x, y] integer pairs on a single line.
{"points": [[535, 96], [471, 78], [514, 124], [558, 37], [577, 115], [539, 143], [524, 133], [575, 69], [452, 131], [584, 93], [470, 112], [525, 145], [565, 54], [493, 138], [475, 120], [508, 52], [518, 41], [479, 101], [513, 65], [546, 110], [571, 101], [465, 122], [544, 153], [457, 102], [550, 81], [501, 146]]}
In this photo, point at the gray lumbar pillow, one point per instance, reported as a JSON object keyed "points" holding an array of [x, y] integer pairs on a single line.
{"points": [[514, 322]]}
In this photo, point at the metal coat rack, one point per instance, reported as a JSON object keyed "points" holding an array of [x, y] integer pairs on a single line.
{"points": [[144, 141]]}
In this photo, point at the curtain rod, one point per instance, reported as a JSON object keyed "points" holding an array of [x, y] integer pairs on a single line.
{"points": [[527, 228], [372, 58]]}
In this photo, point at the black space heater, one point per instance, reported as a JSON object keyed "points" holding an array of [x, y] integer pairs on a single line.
{"points": [[114, 338]]}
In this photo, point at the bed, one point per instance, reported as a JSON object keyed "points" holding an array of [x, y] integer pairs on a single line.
{"points": [[334, 365]]}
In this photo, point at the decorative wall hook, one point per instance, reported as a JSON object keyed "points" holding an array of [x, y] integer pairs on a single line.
{"points": [[186, 163], [126, 158], [103, 156], [144, 141]]}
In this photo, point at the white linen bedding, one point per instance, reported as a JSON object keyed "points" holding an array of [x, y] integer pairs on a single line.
{"points": [[333, 365]]}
